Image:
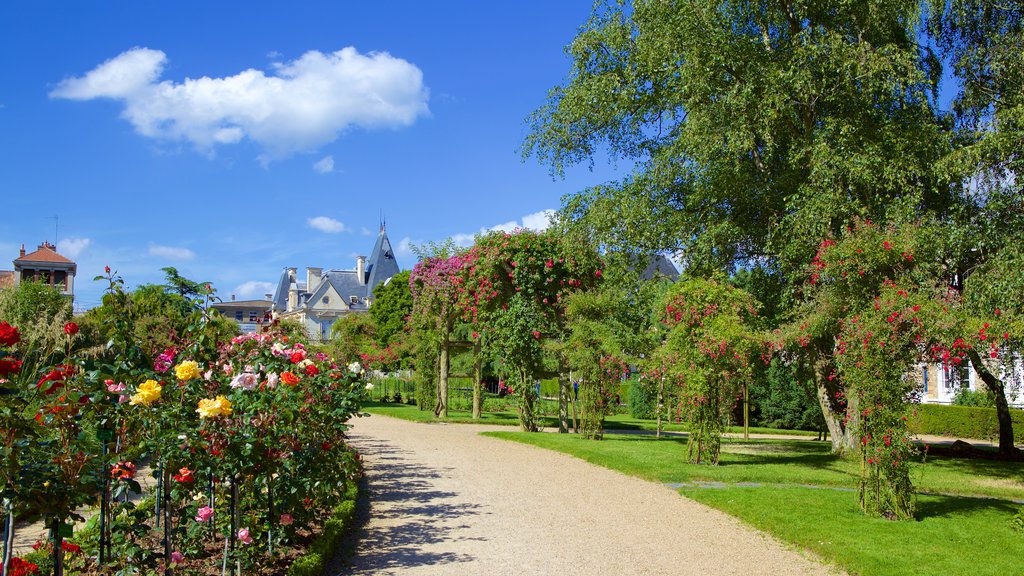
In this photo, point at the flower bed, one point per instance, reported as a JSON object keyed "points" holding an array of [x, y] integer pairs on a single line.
{"points": [[245, 438]]}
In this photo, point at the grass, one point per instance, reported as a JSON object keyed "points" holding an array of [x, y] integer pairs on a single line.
{"points": [[613, 422], [965, 521]]}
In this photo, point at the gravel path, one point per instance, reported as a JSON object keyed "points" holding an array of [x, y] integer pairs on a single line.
{"points": [[445, 500]]}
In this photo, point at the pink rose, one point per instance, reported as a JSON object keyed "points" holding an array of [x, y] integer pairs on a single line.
{"points": [[177, 557], [115, 388], [244, 537], [286, 519], [204, 514]]}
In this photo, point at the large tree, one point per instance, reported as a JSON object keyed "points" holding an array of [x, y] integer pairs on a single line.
{"points": [[757, 127], [982, 40]]}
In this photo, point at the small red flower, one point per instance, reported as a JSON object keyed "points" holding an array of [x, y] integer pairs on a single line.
{"points": [[71, 328], [123, 471], [9, 335], [185, 476], [312, 370], [8, 367]]}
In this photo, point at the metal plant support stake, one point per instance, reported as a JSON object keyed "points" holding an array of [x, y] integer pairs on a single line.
{"points": [[8, 534]]}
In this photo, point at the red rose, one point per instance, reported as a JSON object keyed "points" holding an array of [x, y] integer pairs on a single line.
{"points": [[9, 335], [8, 367], [312, 370], [71, 328], [297, 357], [185, 476]]}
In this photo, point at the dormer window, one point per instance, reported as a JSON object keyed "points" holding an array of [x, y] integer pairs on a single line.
{"points": [[353, 299]]}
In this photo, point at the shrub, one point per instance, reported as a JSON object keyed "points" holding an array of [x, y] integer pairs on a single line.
{"points": [[314, 562], [975, 398], [643, 399], [963, 422]]}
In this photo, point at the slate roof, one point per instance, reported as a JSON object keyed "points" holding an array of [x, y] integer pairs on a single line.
{"points": [[280, 299], [659, 265], [380, 267], [382, 264]]}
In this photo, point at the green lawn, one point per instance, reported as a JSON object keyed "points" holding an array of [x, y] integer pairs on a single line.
{"points": [[954, 534], [613, 422]]}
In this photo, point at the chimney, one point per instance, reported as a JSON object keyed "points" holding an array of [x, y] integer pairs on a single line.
{"points": [[232, 297], [312, 278], [361, 269], [268, 297]]}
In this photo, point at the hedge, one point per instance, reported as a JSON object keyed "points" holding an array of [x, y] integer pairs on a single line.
{"points": [[314, 561], [963, 422]]}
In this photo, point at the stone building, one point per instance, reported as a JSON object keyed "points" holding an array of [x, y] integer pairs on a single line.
{"points": [[320, 297], [44, 265]]}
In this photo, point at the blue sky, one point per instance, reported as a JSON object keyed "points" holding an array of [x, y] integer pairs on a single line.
{"points": [[233, 139]]}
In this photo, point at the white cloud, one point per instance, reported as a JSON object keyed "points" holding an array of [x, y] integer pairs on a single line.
{"points": [[73, 247], [300, 105], [538, 221], [253, 289], [325, 224], [366, 231], [405, 245], [124, 77], [171, 252], [325, 165]]}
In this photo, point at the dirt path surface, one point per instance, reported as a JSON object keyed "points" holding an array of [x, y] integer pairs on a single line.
{"points": [[445, 500]]}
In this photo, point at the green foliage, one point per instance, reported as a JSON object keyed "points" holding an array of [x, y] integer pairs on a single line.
{"points": [[643, 398], [353, 335], [975, 398], [757, 128], [962, 422], [314, 561], [783, 401], [515, 297], [38, 310], [392, 305], [712, 337]]}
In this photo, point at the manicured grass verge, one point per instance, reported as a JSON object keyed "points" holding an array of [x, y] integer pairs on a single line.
{"points": [[613, 422], [314, 561], [953, 535]]}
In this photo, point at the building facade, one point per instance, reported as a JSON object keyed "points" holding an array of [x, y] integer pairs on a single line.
{"points": [[320, 297], [43, 265], [248, 314]]}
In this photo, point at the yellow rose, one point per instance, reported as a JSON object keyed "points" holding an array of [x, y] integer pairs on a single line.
{"points": [[209, 408], [187, 370], [148, 392]]}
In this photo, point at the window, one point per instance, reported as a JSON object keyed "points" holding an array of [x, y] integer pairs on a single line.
{"points": [[956, 377], [238, 315], [925, 372], [253, 315], [353, 299]]}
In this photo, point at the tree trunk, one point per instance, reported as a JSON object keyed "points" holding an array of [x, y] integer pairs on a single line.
{"points": [[843, 441], [441, 409], [998, 389], [746, 411], [563, 403], [661, 399], [478, 383]]}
